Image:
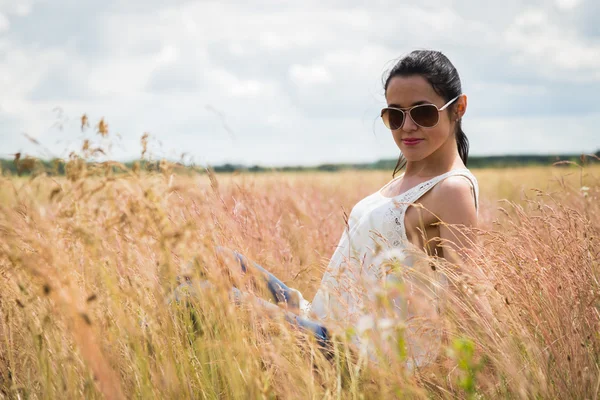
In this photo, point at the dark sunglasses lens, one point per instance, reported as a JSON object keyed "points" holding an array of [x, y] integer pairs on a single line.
{"points": [[392, 118], [426, 115]]}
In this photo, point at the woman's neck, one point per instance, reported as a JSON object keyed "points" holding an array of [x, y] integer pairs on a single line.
{"points": [[442, 160]]}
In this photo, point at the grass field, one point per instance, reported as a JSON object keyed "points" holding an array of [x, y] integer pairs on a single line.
{"points": [[86, 265]]}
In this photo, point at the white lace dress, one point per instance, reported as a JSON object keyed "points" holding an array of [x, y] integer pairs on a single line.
{"points": [[355, 276]]}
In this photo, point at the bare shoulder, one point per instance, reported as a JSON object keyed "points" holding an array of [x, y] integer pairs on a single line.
{"points": [[454, 200], [454, 186]]}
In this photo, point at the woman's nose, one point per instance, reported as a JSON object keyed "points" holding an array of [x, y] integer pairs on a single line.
{"points": [[409, 125]]}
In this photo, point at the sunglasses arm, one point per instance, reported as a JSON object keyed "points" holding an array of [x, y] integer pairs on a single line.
{"points": [[450, 102]]}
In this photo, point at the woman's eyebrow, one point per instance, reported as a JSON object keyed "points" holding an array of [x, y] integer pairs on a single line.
{"points": [[413, 104]]}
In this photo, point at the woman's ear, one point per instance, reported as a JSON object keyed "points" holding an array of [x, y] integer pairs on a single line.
{"points": [[461, 106]]}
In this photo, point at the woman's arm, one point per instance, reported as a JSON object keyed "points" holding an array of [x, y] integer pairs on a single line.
{"points": [[455, 206]]}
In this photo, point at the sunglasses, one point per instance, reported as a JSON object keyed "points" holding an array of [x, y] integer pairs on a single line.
{"points": [[423, 115]]}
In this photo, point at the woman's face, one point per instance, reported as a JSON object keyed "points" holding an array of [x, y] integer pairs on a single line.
{"points": [[406, 91]]}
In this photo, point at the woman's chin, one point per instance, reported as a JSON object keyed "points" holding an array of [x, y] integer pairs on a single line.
{"points": [[412, 157]]}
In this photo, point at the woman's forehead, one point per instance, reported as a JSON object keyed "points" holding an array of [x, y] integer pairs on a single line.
{"points": [[406, 90]]}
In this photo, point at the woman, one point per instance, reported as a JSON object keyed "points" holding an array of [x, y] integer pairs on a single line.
{"points": [[425, 105]]}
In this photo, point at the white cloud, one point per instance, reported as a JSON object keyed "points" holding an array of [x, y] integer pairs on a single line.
{"points": [[530, 134], [23, 8], [503, 89], [567, 4], [4, 23], [17, 7], [248, 88], [309, 75], [168, 54], [554, 48]]}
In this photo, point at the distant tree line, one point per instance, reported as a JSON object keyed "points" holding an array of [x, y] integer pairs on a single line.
{"points": [[27, 165]]}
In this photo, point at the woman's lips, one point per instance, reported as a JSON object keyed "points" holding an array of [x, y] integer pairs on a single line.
{"points": [[411, 142]]}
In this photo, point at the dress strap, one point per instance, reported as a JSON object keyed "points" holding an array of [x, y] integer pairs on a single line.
{"points": [[427, 186]]}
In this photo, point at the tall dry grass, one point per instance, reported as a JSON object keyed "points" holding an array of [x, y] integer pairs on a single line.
{"points": [[87, 264]]}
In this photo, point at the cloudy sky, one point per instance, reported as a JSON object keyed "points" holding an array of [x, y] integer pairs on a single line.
{"points": [[285, 83]]}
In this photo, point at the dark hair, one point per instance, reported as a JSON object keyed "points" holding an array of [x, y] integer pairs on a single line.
{"points": [[443, 77]]}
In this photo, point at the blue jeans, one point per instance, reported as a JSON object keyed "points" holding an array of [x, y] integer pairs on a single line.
{"points": [[279, 293]]}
